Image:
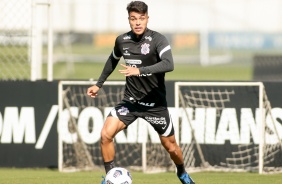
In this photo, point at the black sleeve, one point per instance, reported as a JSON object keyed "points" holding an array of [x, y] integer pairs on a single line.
{"points": [[110, 64], [108, 69], [166, 64]]}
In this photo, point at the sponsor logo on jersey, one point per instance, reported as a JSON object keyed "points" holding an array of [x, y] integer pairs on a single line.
{"points": [[133, 61], [146, 104], [145, 48], [145, 75], [123, 111], [126, 53], [148, 38], [127, 37]]}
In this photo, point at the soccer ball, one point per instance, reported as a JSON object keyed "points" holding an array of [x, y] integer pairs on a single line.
{"points": [[118, 175]]}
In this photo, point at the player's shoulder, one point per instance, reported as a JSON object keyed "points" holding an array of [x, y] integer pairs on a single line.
{"points": [[153, 33], [157, 36]]}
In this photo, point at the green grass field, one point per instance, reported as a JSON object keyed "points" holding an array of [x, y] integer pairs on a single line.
{"points": [[240, 69], [87, 70], [46, 176], [70, 69]]}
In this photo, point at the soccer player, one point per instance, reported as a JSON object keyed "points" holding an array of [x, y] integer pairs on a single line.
{"points": [[148, 57]]}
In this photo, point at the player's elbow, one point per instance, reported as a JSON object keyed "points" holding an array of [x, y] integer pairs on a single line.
{"points": [[171, 68]]}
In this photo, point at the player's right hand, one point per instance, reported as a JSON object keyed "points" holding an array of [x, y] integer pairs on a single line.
{"points": [[93, 91]]}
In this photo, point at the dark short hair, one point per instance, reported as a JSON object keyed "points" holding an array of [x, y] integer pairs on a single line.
{"points": [[137, 6]]}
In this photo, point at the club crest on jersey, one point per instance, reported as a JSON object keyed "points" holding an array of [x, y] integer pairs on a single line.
{"points": [[123, 111], [145, 48]]}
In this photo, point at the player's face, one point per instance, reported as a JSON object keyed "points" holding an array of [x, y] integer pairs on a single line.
{"points": [[138, 22]]}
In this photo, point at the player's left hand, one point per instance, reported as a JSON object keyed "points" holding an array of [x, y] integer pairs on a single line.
{"points": [[129, 71]]}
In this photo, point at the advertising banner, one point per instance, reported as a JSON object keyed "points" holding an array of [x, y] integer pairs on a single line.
{"points": [[29, 124], [245, 40], [28, 113]]}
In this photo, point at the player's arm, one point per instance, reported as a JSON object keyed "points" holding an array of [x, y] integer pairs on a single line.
{"points": [[109, 67], [111, 63], [166, 64]]}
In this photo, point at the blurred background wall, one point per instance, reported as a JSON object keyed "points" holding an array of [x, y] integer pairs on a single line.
{"points": [[202, 32], [173, 16]]}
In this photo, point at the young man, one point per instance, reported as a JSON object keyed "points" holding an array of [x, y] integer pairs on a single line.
{"points": [[148, 57]]}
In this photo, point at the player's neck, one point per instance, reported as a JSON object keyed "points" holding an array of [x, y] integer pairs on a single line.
{"points": [[139, 36]]}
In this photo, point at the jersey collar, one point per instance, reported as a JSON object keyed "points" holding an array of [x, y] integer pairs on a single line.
{"points": [[134, 37]]}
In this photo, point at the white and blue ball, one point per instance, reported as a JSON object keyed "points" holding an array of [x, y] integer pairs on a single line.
{"points": [[118, 175]]}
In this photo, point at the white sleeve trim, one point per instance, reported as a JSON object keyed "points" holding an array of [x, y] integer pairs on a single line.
{"points": [[164, 50], [115, 55]]}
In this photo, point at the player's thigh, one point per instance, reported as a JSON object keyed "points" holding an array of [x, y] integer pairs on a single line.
{"points": [[160, 121], [111, 127], [168, 142]]}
